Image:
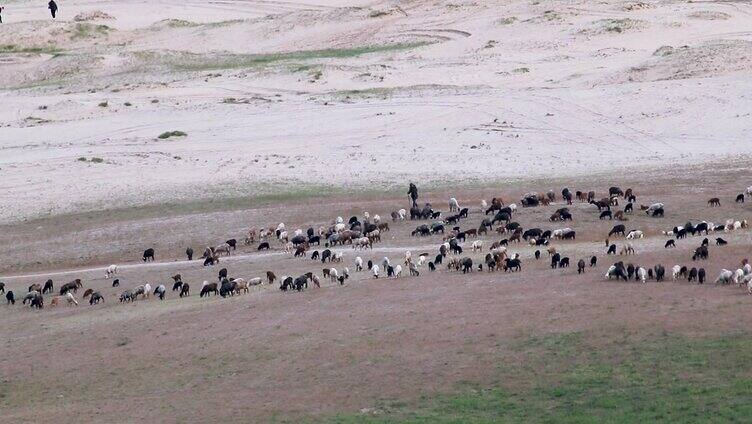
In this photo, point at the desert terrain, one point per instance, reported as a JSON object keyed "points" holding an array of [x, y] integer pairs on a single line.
{"points": [[130, 125]]}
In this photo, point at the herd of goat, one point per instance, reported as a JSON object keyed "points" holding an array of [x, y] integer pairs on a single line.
{"points": [[364, 233]]}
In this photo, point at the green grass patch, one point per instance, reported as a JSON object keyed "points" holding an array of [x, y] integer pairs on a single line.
{"points": [[180, 23], [87, 30], [168, 134], [196, 62], [12, 48], [565, 379]]}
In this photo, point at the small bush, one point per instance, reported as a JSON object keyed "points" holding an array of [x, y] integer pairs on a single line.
{"points": [[127, 104], [169, 134], [103, 104], [377, 13], [94, 159]]}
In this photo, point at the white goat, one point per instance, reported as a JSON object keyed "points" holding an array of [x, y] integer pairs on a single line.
{"points": [[675, 272], [454, 206], [724, 277], [333, 275], [635, 234], [110, 271], [71, 300], [642, 274]]}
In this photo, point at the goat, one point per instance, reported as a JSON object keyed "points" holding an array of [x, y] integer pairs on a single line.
{"points": [[110, 271]]}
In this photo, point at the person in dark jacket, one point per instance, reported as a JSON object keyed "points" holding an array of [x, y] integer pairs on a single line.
{"points": [[1, 14], [413, 192], [53, 8]]}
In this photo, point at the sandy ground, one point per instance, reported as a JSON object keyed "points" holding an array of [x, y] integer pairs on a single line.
{"points": [[275, 95]]}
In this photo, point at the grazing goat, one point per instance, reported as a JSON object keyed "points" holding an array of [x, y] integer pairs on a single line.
{"points": [[110, 271], [35, 300], [148, 255], [160, 291], [617, 229], [581, 266], [96, 297], [635, 234], [641, 274], [725, 277], [477, 246], [208, 288], [126, 296], [454, 206]]}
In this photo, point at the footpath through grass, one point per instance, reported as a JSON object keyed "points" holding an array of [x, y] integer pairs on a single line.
{"points": [[563, 379]]}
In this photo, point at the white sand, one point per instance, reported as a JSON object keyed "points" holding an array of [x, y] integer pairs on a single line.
{"points": [[507, 90]]}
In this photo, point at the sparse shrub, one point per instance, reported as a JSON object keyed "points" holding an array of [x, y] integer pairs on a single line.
{"points": [[103, 104], [377, 13], [168, 134], [94, 159]]}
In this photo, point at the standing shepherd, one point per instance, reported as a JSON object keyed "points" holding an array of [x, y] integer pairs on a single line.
{"points": [[53, 8], [1, 14], [413, 193]]}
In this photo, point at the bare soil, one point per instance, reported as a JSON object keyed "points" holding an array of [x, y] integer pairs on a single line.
{"points": [[272, 355]]}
